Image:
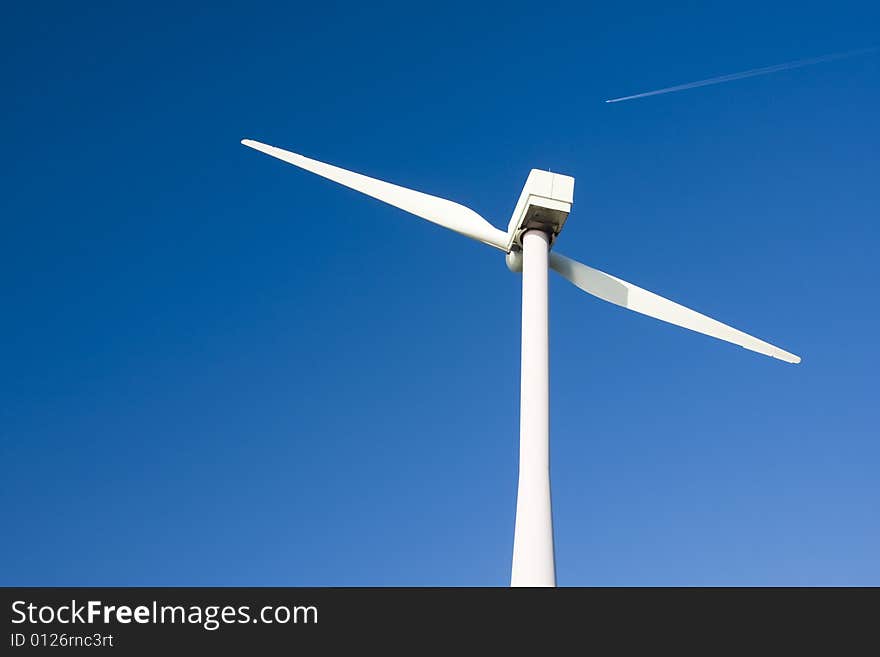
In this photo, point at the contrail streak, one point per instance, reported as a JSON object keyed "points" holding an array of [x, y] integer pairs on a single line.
{"points": [[747, 74]]}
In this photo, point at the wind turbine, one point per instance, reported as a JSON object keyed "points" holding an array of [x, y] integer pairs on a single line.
{"points": [[537, 220]]}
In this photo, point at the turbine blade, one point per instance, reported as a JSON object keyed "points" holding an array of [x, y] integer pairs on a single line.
{"points": [[614, 290], [437, 210]]}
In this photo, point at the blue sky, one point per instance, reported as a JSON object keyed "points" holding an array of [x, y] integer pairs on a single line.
{"points": [[219, 370]]}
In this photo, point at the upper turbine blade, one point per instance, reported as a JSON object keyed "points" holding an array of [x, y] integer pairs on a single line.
{"points": [[630, 296], [437, 210]]}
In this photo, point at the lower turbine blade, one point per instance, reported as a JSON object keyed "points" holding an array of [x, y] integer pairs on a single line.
{"points": [[614, 290]]}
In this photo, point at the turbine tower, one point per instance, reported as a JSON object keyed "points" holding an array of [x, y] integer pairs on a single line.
{"points": [[537, 220]]}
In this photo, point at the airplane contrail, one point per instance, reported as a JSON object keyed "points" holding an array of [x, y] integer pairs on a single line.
{"points": [[747, 74]]}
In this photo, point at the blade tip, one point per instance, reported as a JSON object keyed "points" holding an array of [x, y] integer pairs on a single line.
{"points": [[788, 358]]}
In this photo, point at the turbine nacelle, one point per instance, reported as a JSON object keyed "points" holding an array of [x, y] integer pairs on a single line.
{"points": [[543, 205]]}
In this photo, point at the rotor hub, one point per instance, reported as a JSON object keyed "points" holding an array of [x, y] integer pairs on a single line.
{"points": [[514, 261]]}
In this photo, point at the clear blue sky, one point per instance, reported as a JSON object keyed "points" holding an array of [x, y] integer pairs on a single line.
{"points": [[217, 369]]}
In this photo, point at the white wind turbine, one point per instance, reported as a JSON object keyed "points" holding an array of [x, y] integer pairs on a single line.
{"points": [[537, 219]]}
